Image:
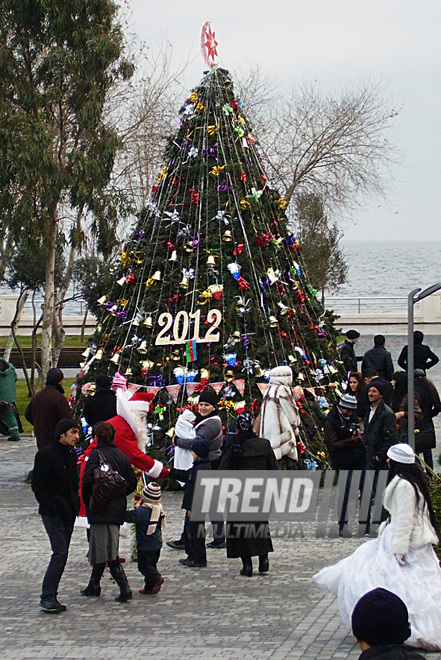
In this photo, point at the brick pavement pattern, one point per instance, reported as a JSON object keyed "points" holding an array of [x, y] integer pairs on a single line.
{"points": [[200, 613]]}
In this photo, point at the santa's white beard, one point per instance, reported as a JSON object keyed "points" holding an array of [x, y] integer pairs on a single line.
{"points": [[140, 429]]}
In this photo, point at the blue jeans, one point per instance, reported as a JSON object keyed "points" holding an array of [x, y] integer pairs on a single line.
{"points": [[59, 532]]}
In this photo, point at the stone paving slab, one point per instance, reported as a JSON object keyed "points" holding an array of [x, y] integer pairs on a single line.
{"points": [[206, 613]]}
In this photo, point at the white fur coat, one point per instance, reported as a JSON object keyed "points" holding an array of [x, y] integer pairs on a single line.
{"points": [[280, 417]]}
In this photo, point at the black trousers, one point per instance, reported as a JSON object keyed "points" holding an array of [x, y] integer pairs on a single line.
{"points": [[147, 561], [59, 532], [195, 541]]}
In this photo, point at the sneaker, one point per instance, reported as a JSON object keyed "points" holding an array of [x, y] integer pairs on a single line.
{"points": [[52, 605], [217, 544], [176, 545]]}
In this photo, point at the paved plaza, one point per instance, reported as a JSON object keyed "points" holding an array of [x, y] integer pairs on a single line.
{"points": [[200, 613]]}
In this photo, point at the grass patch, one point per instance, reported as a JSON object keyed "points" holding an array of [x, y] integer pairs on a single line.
{"points": [[23, 400], [72, 341]]}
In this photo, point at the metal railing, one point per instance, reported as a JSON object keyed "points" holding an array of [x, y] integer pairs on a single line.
{"points": [[367, 304]]}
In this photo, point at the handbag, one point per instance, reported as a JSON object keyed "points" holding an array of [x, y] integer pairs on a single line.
{"points": [[107, 483], [424, 439]]}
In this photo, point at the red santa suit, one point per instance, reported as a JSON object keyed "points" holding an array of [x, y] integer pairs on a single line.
{"points": [[127, 441]]}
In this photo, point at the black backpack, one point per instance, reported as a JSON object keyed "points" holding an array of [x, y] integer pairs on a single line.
{"points": [[107, 483]]}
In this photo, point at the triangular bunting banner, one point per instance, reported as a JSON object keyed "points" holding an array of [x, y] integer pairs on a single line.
{"points": [[132, 388], [240, 384], [173, 390], [311, 390], [263, 387], [151, 389], [217, 386], [191, 388]]}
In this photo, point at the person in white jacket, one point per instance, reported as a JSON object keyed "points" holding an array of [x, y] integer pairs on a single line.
{"points": [[401, 559]]}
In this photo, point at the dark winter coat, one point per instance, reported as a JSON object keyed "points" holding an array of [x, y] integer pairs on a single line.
{"points": [[380, 359], [207, 428], [344, 452], [100, 408], [347, 354], [141, 517], [114, 512], [390, 652], [430, 403], [363, 400], [189, 478], [8, 392], [253, 538], [423, 358], [55, 481], [379, 434], [44, 411]]}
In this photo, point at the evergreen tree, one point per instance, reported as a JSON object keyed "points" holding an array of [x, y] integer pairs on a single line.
{"points": [[211, 288]]}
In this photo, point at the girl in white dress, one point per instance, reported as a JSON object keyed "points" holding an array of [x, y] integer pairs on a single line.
{"points": [[401, 559]]}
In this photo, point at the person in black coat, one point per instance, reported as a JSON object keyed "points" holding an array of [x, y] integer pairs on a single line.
{"points": [[380, 428], [347, 351], [102, 405], [106, 520], [430, 405], [423, 357], [248, 452], [369, 375], [195, 531], [379, 358], [55, 486]]}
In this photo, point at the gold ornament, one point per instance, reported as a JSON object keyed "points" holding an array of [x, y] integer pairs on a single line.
{"points": [[227, 236], [128, 373], [273, 322], [245, 205], [176, 355], [292, 360], [212, 130], [115, 358], [202, 300], [142, 348], [162, 174], [86, 353], [148, 322], [229, 376], [125, 259], [200, 106], [240, 305], [283, 309], [170, 433], [102, 300], [193, 97], [205, 374], [99, 354], [183, 284], [272, 275], [188, 247], [157, 276], [122, 302], [281, 203], [236, 337], [215, 288], [217, 169], [146, 364], [193, 399], [211, 261]]}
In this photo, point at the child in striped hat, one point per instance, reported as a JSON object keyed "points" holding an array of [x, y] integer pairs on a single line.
{"points": [[149, 519]]}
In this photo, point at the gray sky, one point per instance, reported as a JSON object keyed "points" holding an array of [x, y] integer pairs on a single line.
{"points": [[338, 44]]}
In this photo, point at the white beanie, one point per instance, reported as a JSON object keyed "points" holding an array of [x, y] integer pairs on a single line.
{"points": [[401, 453]]}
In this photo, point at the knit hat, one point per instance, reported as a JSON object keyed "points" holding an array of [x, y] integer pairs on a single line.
{"points": [[208, 396], [54, 376], [348, 401], [380, 386], [380, 617], [201, 448], [401, 453], [64, 425], [352, 334], [142, 401], [244, 422], [151, 492], [103, 382], [419, 373]]}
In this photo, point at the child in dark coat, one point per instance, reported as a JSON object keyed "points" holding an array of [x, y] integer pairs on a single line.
{"points": [[195, 531], [149, 519]]}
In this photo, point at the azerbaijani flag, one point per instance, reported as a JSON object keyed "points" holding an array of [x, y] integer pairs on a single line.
{"points": [[190, 350]]}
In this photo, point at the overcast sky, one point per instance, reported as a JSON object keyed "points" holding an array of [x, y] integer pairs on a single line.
{"points": [[338, 44]]}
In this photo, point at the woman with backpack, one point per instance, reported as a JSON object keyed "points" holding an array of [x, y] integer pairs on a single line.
{"points": [[104, 517]]}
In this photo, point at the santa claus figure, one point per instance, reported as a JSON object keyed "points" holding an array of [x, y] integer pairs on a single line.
{"points": [[280, 417], [130, 436]]}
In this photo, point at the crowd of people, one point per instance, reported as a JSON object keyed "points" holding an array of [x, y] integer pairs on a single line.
{"points": [[365, 431]]}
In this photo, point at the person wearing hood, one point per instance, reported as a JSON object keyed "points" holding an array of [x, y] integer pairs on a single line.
{"points": [[248, 452], [279, 416], [47, 407], [401, 558], [8, 396], [102, 405]]}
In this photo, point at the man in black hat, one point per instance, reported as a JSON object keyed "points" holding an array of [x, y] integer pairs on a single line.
{"points": [[347, 351], [380, 624], [102, 405], [55, 486], [380, 427]]}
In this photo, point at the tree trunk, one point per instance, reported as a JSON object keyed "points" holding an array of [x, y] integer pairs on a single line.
{"points": [[83, 326], [49, 296], [21, 301]]}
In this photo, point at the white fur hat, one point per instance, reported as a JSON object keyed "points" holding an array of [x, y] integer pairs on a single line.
{"points": [[401, 453]]}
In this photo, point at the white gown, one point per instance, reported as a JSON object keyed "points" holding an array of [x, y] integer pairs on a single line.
{"points": [[373, 565]]}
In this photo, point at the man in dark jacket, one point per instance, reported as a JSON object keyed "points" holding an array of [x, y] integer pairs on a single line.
{"points": [[423, 357], [380, 624], [379, 358], [55, 485], [347, 351], [47, 407], [369, 375], [380, 428], [102, 405]]}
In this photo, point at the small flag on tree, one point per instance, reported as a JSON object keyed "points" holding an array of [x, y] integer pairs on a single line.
{"points": [[190, 350]]}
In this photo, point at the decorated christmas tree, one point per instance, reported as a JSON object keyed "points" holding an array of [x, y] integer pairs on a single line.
{"points": [[211, 289]]}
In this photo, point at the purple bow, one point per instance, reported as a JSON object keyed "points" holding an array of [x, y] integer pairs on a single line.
{"points": [[157, 381]]}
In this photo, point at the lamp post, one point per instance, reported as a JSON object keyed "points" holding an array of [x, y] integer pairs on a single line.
{"points": [[413, 297]]}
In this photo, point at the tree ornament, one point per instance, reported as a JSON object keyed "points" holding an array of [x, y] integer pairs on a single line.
{"points": [[156, 277], [102, 300], [229, 375], [227, 236], [272, 276], [175, 355], [273, 322], [211, 261], [115, 358], [131, 279], [235, 337], [148, 322], [121, 281], [174, 256], [146, 365]]}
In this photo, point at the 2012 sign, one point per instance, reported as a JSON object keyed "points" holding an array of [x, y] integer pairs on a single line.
{"points": [[181, 325]]}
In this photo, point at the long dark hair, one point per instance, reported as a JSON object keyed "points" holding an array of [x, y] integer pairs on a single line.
{"points": [[400, 389], [104, 433], [415, 475]]}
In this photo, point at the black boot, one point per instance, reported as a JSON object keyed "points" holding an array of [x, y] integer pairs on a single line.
{"points": [[263, 563], [117, 572], [93, 589], [247, 569]]}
